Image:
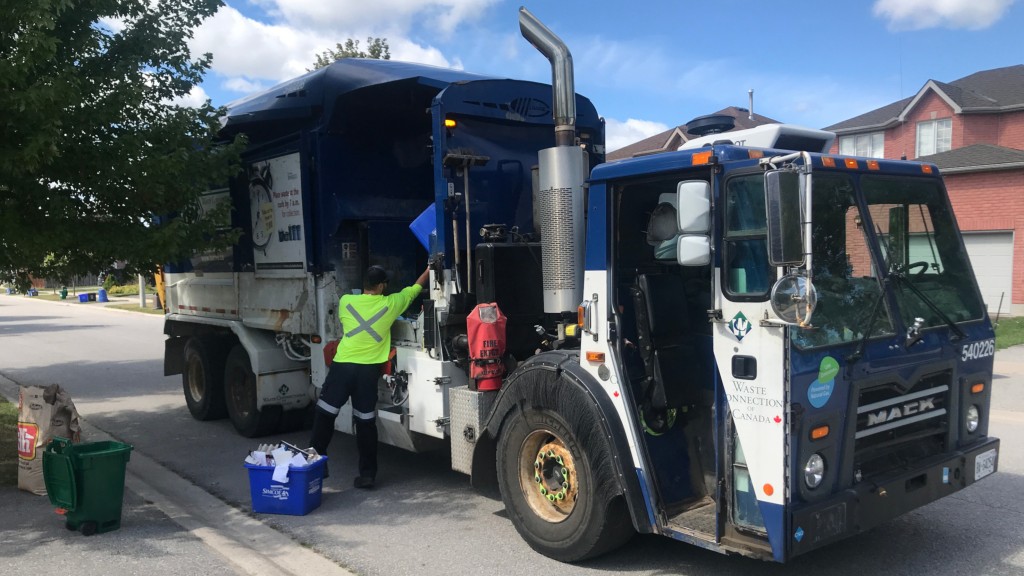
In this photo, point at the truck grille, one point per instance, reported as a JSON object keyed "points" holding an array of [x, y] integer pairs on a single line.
{"points": [[896, 428]]}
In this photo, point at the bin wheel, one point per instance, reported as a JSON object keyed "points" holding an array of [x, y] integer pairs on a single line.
{"points": [[203, 379], [70, 526], [240, 394], [88, 528]]}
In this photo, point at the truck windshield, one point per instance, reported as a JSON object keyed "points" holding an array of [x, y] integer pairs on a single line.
{"points": [[918, 242], [847, 281]]}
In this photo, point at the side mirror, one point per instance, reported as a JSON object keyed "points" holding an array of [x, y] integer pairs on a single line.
{"points": [[693, 212], [693, 206], [793, 299], [693, 250], [782, 191]]}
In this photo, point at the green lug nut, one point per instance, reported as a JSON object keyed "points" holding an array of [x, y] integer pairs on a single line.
{"points": [[543, 491], [561, 496], [551, 453], [537, 464], [565, 485], [536, 478], [565, 472], [551, 497], [559, 460]]}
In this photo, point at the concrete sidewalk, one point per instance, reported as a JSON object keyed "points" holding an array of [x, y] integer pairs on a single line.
{"points": [[169, 527]]}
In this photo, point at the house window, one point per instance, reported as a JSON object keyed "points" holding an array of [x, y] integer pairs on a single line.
{"points": [[869, 145], [934, 136]]}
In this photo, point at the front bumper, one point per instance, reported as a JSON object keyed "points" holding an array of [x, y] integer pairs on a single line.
{"points": [[868, 504]]}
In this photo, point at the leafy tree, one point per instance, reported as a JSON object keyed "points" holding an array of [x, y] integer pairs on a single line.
{"points": [[92, 145], [376, 48]]}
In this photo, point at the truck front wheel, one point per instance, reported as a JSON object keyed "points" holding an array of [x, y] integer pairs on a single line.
{"points": [[203, 380], [555, 493], [240, 393]]}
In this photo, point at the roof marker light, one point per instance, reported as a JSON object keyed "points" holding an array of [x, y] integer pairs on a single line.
{"points": [[701, 158], [872, 164], [449, 123], [828, 162], [926, 168], [851, 163]]}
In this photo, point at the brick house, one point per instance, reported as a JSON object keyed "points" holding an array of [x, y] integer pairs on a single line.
{"points": [[973, 130]]}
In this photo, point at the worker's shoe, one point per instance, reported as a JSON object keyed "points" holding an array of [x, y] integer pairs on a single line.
{"points": [[364, 482]]}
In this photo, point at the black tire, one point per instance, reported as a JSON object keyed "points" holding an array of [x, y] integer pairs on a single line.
{"points": [[202, 379], [240, 395], [580, 522]]}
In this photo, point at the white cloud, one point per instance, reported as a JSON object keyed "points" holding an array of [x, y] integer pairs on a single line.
{"points": [[393, 16], [921, 14], [194, 99], [619, 134], [243, 85], [249, 54]]}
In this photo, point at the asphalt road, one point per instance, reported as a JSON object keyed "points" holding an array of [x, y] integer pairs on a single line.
{"points": [[423, 518]]}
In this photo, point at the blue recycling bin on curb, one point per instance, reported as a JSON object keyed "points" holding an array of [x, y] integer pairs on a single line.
{"points": [[101, 295], [297, 497]]}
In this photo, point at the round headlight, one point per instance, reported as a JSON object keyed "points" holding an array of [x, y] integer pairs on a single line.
{"points": [[814, 470], [972, 418]]}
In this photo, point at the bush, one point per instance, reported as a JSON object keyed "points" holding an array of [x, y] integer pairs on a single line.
{"points": [[108, 282]]}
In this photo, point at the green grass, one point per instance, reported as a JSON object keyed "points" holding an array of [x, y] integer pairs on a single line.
{"points": [[8, 443], [1009, 332], [137, 308]]}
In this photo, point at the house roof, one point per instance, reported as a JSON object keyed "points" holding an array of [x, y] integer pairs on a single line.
{"points": [[977, 158], [996, 90], [672, 138]]}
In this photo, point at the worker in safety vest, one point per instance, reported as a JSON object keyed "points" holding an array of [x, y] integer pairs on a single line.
{"points": [[366, 323]]}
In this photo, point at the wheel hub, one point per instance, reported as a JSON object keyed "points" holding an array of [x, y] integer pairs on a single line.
{"points": [[548, 476]]}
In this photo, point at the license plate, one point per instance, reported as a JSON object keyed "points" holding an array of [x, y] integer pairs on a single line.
{"points": [[984, 464]]}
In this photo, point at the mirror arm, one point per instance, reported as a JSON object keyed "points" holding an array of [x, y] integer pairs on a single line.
{"points": [[808, 224]]}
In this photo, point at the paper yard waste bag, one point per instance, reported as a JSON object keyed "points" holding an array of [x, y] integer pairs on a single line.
{"points": [[43, 412]]}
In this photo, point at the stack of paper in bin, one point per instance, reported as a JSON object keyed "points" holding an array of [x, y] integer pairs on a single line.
{"points": [[281, 457]]}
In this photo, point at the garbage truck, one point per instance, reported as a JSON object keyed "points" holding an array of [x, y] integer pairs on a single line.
{"points": [[749, 344]]}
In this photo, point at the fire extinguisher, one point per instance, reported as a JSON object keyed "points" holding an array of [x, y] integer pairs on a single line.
{"points": [[486, 331]]}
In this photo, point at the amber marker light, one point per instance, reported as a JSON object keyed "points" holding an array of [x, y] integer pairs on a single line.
{"points": [[449, 123], [850, 163], [828, 162], [978, 388], [753, 154], [316, 339], [701, 158], [927, 169], [819, 432], [579, 315], [595, 356], [872, 164]]}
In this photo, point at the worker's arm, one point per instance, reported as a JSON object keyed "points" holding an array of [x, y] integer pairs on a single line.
{"points": [[422, 280]]}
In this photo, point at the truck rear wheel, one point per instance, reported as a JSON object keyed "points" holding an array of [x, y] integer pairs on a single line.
{"points": [[552, 489], [203, 379], [240, 393]]}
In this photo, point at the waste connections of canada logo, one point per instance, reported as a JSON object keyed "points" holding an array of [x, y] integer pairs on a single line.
{"points": [[739, 326], [27, 434]]}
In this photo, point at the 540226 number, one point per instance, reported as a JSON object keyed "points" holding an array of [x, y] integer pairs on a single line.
{"points": [[976, 350]]}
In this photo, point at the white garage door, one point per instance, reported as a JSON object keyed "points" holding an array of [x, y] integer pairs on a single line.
{"points": [[992, 258]]}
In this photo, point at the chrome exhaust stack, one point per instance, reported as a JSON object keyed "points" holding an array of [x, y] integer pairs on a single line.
{"points": [[559, 196]]}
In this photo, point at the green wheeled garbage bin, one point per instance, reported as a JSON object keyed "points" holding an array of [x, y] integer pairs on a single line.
{"points": [[87, 480]]}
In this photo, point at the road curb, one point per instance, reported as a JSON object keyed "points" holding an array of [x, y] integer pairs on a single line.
{"points": [[248, 544]]}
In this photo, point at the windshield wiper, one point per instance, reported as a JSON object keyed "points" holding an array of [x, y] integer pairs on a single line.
{"points": [[901, 278]]}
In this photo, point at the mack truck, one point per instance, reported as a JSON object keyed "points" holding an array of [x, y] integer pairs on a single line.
{"points": [[749, 344]]}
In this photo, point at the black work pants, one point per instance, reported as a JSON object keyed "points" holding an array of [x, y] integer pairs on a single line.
{"points": [[358, 381]]}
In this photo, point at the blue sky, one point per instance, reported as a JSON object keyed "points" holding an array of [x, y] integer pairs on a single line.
{"points": [[647, 64]]}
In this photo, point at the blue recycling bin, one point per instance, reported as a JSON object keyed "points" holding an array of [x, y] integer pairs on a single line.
{"points": [[101, 295]]}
